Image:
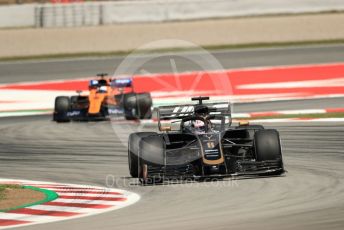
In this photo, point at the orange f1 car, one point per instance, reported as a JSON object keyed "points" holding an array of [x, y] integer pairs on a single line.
{"points": [[107, 97]]}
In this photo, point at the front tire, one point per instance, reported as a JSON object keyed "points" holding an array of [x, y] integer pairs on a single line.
{"points": [[151, 153], [62, 106], [268, 146], [133, 152]]}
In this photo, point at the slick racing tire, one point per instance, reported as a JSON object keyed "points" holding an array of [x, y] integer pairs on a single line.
{"points": [[137, 106], [62, 106], [151, 153], [133, 151], [144, 105], [268, 146], [130, 106]]}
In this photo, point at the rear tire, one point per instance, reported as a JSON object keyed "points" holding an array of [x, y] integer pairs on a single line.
{"points": [[62, 106], [133, 151], [130, 106], [144, 105], [137, 106]]}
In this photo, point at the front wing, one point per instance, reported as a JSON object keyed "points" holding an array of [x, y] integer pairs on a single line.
{"points": [[83, 115]]}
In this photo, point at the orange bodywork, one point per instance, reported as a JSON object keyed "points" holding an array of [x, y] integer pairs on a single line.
{"points": [[97, 99]]}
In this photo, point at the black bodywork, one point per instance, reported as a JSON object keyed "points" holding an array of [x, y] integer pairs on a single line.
{"points": [[217, 150]]}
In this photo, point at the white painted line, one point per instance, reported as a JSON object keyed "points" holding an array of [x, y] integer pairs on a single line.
{"points": [[328, 120], [244, 115], [295, 120], [61, 208], [304, 111], [25, 217], [337, 82], [91, 195], [21, 114], [81, 201], [68, 188]]}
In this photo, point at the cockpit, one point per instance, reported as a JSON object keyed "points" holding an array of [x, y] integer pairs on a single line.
{"points": [[195, 118], [196, 125]]}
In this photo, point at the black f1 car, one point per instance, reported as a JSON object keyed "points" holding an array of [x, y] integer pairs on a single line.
{"points": [[106, 97], [203, 145]]}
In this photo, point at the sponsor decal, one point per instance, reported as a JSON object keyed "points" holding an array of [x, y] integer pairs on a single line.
{"points": [[73, 113], [115, 111], [183, 109]]}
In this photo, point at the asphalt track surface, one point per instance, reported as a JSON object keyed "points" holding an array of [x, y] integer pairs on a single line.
{"points": [[22, 71], [310, 196]]}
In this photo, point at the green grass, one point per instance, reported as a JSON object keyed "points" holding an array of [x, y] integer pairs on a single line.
{"points": [[320, 115], [177, 49], [3, 188]]}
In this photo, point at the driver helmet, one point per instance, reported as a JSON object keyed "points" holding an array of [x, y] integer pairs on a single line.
{"points": [[103, 89], [199, 126]]}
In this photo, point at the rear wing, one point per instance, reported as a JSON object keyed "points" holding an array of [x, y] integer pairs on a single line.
{"points": [[221, 110]]}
